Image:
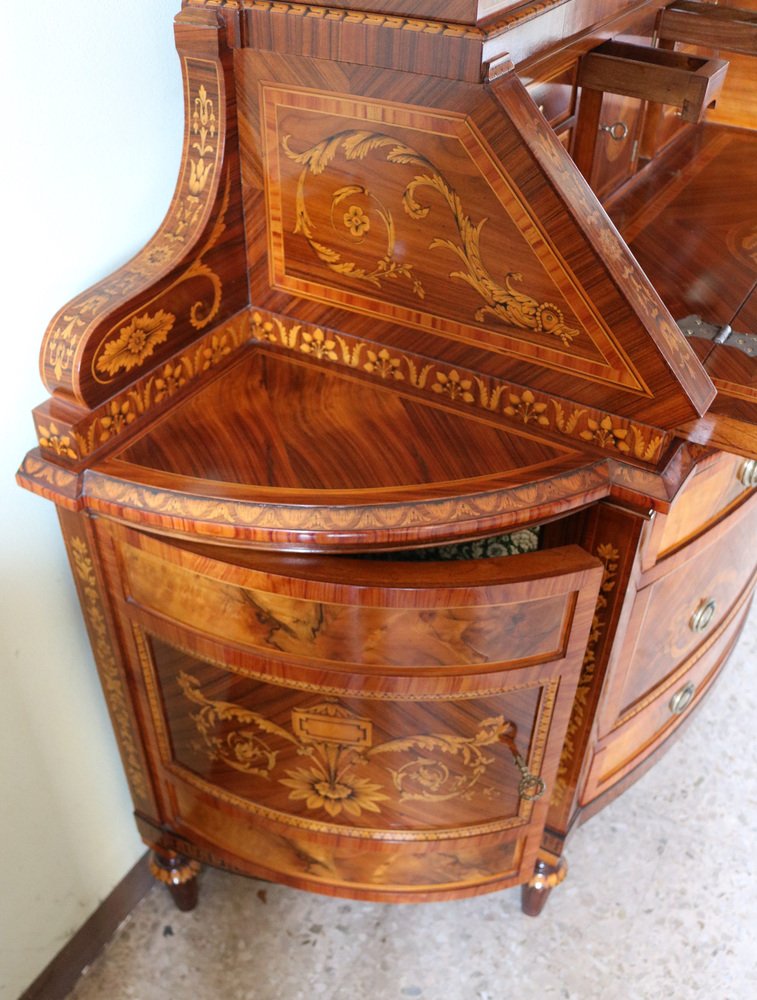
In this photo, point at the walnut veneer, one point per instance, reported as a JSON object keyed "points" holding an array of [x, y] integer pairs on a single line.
{"points": [[407, 525]]}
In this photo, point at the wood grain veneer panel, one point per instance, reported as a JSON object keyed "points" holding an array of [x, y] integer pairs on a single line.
{"points": [[376, 870], [694, 236], [421, 621], [745, 320], [494, 261], [279, 423]]}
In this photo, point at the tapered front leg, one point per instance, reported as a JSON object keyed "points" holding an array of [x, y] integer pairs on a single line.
{"points": [[180, 875], [549, 871]]}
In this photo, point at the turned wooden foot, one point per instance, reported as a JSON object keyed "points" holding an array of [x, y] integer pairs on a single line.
{"points": [[180, 875], [547, 874]]}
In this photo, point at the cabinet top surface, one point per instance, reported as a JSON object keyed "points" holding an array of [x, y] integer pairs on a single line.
{"points": [[285, 425], [281, 444]]}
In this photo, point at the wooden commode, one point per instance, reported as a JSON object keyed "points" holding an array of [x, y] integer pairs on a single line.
{"points": [[407, 474]]}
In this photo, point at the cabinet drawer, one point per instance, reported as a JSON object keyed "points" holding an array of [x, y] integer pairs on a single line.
{"points": [[656, 718], [683, 602], [389, 791], [381, 616], [555, 97], [707, 496], [688, 82], [377, 728]]}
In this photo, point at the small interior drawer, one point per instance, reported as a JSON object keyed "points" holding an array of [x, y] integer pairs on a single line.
{"points": [[709, 24], [690, 83], [555, 96]]}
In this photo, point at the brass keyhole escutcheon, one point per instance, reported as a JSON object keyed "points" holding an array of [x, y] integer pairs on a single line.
{"points": [[703, 615], [681, 699], [531, 786]]}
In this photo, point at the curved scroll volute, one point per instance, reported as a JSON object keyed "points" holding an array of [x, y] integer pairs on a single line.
{"points": [[191, 274]]}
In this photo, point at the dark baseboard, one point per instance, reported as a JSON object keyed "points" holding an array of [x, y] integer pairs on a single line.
{"points": [[58, 979]]}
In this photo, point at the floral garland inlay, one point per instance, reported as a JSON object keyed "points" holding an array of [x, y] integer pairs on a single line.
{"points": [[111, 680], [337, 744], [138, 338], [610, 557], [522, 406], [502, 301]]}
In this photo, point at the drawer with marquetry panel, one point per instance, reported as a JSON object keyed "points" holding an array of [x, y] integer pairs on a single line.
{"points": [[381, 730]]}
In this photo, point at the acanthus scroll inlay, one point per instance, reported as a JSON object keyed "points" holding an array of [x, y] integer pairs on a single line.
{"points": [[338, 745], [503, 302]]}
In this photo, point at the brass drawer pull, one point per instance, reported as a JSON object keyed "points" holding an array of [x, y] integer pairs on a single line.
{"points": [[617, 131], [530, 787], [702, 616], [748, 472], [681, 699]]}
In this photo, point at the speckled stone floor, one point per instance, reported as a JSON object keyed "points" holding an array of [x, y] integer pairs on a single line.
{"points": [[660, 903]]}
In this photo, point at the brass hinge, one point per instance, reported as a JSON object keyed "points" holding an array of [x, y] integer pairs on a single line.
{"points": [[695, 326]]}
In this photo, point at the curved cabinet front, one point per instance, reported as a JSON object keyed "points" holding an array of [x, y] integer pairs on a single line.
{"points": [[374, 729]]}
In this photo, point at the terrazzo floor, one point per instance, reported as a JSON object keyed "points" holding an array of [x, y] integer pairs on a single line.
{"points": [[660, 903]]}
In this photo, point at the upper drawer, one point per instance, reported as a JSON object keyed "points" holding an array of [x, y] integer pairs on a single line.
{"points": [[555, 95], [706, 497], [378, 617]]}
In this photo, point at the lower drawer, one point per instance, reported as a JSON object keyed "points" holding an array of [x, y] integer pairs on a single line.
{"points": [[656, 718], [319, 783]]}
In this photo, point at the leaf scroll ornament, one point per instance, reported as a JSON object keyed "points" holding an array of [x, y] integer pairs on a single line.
{"points": [[504, 302], [337, 775]]}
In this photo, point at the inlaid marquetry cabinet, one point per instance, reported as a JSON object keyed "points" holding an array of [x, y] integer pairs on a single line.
{"points": [[407, 474]]}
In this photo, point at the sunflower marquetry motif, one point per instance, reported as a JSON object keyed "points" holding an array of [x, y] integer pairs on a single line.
{"points": [[338, 745], [135, 342]]}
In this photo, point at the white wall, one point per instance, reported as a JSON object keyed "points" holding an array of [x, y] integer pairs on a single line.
{"points": [[91, 136]]}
